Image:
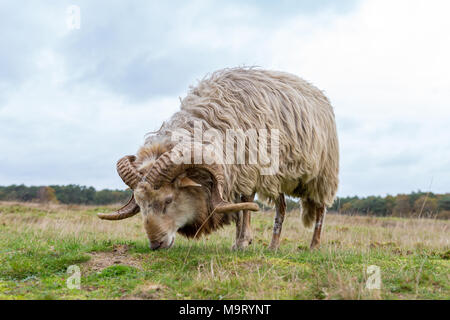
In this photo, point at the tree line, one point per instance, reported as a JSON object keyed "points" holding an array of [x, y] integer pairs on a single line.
{"points": [[69, 194], [415, 204]]}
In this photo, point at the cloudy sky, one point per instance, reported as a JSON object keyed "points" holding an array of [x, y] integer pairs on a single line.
{"points": [[73, 101]]}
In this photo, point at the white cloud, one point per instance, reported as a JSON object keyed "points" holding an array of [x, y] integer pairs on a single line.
{"points": [[386, 70], [73, 103], [58, 135]]}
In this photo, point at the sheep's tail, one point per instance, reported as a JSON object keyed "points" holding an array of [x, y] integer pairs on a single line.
{"points": [[308, 213]]}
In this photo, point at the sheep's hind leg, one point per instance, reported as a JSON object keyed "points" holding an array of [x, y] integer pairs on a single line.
{"points": [[243, 228], [278, 223], [320, 215]]}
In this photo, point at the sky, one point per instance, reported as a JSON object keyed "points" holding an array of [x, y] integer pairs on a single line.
{"points": [[73, 101]]}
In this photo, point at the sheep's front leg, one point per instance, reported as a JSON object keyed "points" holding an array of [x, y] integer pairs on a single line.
{"points": [[320, 215], [243, 229], [278, 223]]}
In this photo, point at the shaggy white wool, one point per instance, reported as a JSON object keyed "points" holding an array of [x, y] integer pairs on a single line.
{"points": [[252, 98]]}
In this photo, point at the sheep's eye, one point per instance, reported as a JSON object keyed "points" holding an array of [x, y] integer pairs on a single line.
{"points": [[168, 200]]}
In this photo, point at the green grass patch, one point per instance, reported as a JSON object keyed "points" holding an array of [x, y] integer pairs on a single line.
{"points": [[37, 246]]}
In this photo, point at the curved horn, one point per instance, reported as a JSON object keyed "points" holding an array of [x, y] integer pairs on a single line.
{"points": [[127, 211], [128, 172], [131, 176], [165, 171]]}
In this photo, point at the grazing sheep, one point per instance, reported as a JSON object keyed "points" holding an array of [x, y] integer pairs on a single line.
{"points": [[197, 198]]}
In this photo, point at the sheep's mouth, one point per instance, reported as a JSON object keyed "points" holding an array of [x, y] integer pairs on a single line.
{"points": [[168, 246], [156, 245]]}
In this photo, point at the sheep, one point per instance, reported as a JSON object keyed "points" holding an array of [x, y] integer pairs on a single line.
{"points": [[194, 199]]}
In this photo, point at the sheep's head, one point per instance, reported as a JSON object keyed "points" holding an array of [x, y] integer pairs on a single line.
{"points": [[169, 208], [174, 197]]}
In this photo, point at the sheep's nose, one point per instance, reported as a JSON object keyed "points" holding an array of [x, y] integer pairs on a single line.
{"points": [[154, 245]]}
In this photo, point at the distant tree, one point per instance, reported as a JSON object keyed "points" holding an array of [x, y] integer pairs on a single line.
{"points": [[414, 196], [390, 204], [425, 206], [344, 205], [111, 196], [373, 206], [347, 208], [403, 207], [46, 195], [74, 194], [444, 202], [19, 193]]}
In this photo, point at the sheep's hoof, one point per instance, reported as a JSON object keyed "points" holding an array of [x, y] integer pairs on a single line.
{"points": [[314, 246], [241, 244], [274, 247], [275, 243]]}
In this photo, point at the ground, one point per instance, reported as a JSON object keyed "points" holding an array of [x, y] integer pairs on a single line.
{"points": [[39, 242]]}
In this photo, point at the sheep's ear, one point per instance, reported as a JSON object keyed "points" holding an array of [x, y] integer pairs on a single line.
{"points": [[184, 182], [235, 207]]}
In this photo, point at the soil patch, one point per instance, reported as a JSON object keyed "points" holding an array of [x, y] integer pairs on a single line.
{"points": [[102, 260]]}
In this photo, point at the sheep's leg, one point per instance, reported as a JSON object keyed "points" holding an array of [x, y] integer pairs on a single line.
{"points": [[239, 219], [278, 223], [320, 215], [243, 229]]}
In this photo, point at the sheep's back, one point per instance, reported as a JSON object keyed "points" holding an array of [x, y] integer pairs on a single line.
{"points": [[249, 98]]}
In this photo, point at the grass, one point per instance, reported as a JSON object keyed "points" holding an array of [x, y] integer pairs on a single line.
{"points": [[39, 242]]}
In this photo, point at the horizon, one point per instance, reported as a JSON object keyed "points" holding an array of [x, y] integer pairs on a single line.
{"points": [[73, 101], [125, 189]]}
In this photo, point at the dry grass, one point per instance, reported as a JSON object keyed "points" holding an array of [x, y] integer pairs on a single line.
{"points": [[38, 242]]}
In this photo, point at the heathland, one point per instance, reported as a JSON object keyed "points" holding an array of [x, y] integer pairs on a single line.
{"points": [[39, 242]]}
